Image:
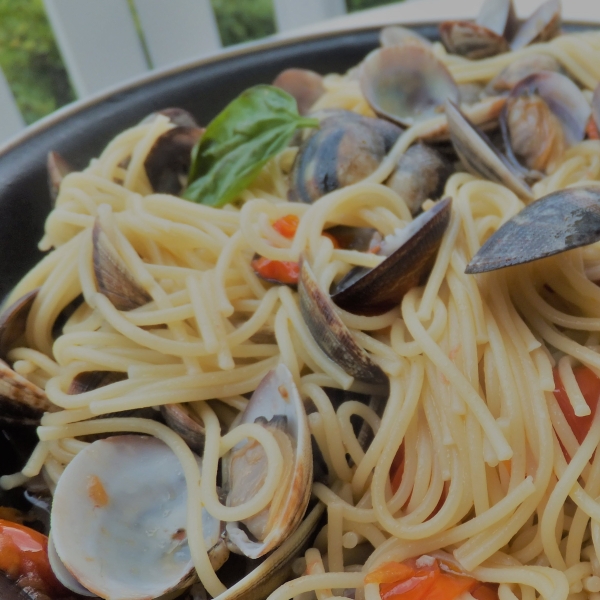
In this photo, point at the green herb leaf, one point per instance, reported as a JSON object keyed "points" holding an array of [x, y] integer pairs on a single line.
{"points": [[239, 141]]}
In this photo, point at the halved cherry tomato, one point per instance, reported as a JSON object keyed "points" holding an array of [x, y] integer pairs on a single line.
{"points": [[24, 558], [287, 226], [424, 582], [589, 384], [276, 270]]}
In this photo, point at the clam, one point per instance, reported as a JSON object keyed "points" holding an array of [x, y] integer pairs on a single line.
{"points": [[394, 35], [113, 278], [21, 402], [470, 93], [421, 173], [362, 239], [276, 568], [92, 380], [522, 67], [183, 421], [487, 36], [406, 84], [58, 169], [479, 156], [544, 114], [596, 106], [304, 85], [168, 162], [13, 321], [330, 333], [541, 26], [119, 522], [410, 254], [277, 406], [560, 221], [344, 150], [178, 116]]}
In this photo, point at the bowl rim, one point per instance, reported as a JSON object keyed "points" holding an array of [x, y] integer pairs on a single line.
{"points": [[273, 42]]}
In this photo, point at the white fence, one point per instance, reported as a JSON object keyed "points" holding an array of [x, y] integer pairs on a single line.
{"points": [[100, 44]]}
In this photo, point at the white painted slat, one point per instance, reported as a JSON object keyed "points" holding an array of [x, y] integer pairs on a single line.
{"points": [[290, 14], [175, 30], [98, 42], [11, 120]]}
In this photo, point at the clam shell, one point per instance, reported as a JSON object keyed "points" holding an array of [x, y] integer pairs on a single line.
{"points": [[541, 26], [13, 321], [113, 278], [377, 290], [275, 401], [596, 105], [21, 402], [330, 333], [545, 113], [498, 16], [344, 150], [479, 155], [58, 168], [185, 423], [471, 40], [406, 84], [168, 162], [119, 519], [555, 223], [304, 85], [276, 569], [522, 67], [421, 173]]}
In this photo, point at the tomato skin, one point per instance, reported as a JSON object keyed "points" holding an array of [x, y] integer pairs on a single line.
{"points": [[287, 226], [419, 580], [278, 271], [24, 558], [589, 384], [592, 130]]}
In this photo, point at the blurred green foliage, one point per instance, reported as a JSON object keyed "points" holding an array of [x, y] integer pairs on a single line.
{"points": [[30, 59], [35, 72]]}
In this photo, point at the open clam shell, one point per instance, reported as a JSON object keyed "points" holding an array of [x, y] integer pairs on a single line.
{"points": [[487, 36], [330, 333], [541, 26], [21, 402], [555, 223], [304, 85], [544, 114], [471, 40], [182, 420], [421, 173], [596, 106], [410, 255], [344, 150], [58, 168], [119, 521], [522, 67], [113, 278], [276, 569], [168, 162], [406, 84], [479, 156], [13, 321], [275, 404]]}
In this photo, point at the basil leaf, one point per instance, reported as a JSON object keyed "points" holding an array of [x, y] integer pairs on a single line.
{"points": [[239, 141]]}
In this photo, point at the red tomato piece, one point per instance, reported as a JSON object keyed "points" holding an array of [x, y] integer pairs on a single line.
{"points": [[287, 226], [592, 130], [24, 558], [276, 270], [589, 385], [390, 572]]}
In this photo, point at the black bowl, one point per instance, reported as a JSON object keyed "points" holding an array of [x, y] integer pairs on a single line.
{"points": [[81, 131]]}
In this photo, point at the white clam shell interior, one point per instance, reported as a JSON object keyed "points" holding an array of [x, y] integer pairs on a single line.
{"points": [[119, 518]]}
